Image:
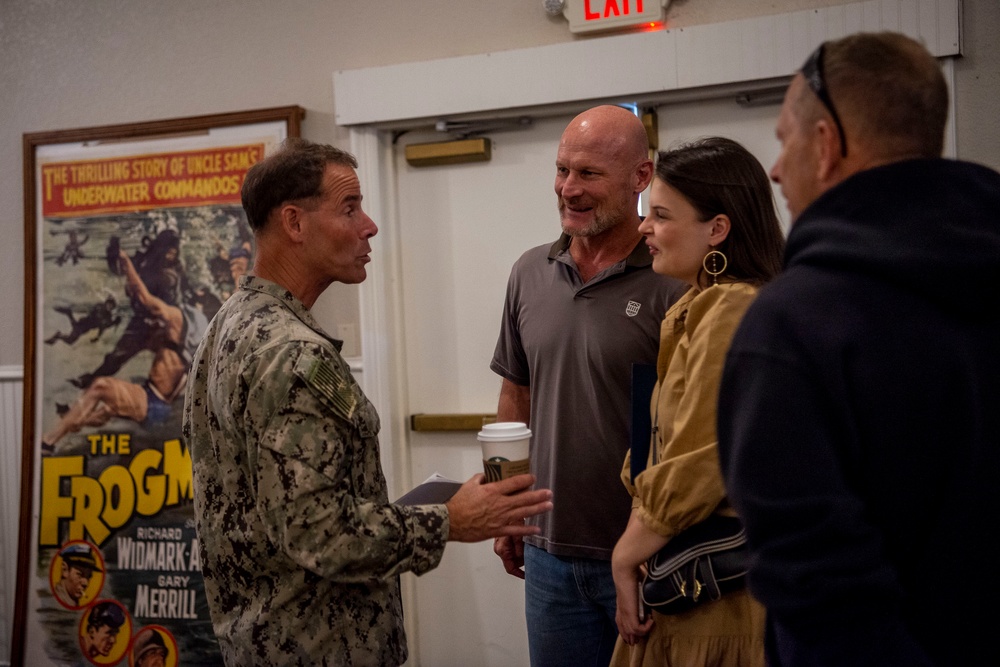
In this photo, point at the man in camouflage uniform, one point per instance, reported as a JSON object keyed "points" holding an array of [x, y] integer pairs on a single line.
{"points": [[301, 550]]}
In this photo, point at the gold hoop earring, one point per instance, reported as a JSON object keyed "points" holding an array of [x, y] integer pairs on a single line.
{"points": [[715, 256]]}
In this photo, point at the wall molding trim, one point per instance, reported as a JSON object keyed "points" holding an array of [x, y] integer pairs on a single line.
{"points": [[633, 65]]}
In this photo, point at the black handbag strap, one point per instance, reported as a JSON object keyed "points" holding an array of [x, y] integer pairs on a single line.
{"points": [[708, 579]]}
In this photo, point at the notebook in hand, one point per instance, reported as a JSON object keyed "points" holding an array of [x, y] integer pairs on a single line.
{"points": [[435, 490]]}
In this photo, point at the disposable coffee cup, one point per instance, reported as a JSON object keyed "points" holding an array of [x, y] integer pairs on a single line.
{"points": [[505, 450]]}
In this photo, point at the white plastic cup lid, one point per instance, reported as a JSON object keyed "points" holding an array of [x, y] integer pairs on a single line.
{"points": [[504, 432]]}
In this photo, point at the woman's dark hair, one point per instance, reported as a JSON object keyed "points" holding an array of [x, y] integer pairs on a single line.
{"points": [[719, 176], [294, 172]]}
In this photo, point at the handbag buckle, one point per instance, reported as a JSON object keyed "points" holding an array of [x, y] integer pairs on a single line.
{"points": [[697, 590]]}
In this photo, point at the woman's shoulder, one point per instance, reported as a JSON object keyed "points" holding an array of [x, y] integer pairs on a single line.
{"points": [[721, 302]]}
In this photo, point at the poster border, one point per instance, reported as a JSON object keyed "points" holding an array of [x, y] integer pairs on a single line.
{"points": [[31, 142]]}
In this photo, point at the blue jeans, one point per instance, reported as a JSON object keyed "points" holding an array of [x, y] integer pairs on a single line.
{"points": [[570, 609]]}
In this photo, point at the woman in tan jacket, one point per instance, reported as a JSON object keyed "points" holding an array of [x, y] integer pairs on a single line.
{"points": [[713, 225]]}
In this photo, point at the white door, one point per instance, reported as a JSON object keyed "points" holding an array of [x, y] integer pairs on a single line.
{"points": [[461, 227]]}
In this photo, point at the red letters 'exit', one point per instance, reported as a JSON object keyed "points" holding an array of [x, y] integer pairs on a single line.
{"points": [[610, 9]]}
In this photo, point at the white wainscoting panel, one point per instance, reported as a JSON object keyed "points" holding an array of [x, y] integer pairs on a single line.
{"points": [[10, 489]]}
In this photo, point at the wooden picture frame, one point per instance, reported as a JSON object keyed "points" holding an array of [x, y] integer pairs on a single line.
{"points": [[134, 234]]}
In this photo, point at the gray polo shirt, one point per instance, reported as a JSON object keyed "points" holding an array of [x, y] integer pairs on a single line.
{"points": [[574, 344]]}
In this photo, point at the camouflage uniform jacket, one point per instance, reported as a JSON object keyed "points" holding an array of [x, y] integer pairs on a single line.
{"points": [[301, 550]]}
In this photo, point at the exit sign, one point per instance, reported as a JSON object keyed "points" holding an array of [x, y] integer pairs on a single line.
{"points": [[592, 15]]}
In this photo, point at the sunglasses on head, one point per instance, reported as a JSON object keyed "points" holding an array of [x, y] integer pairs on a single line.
{"points": [[812, 71]]}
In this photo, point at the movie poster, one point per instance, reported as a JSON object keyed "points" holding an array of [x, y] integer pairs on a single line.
{"points": [[138, 245]]}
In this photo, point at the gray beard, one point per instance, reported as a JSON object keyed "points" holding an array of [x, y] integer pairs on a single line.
{"points": [[601, 224]]}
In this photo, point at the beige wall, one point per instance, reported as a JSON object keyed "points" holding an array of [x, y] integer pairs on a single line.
{"points": [[75, 64]]}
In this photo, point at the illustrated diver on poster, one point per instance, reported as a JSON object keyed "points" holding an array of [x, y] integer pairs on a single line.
{"points": [[171, 333], [161, 272], [72, 251], [100, 316], [228, 266]]}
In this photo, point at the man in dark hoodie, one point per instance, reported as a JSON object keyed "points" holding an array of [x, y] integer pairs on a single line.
{"points": [[858, 419]]}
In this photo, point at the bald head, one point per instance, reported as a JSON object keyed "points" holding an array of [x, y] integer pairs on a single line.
{"points": [[616, 130], [601, 167]]}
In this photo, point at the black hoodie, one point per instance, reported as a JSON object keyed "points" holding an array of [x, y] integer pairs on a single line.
{"points": [[858, 427]]}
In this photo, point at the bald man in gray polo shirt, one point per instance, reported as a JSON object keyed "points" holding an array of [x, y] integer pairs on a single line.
{"points": [[578, 314]]}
